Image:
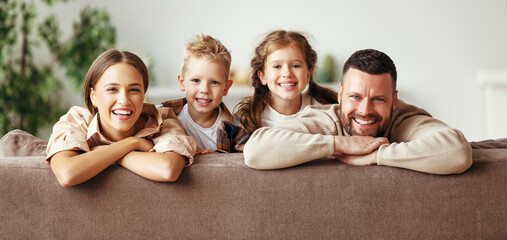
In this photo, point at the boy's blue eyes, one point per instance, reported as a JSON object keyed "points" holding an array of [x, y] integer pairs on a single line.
{"points": [[198, 80]]}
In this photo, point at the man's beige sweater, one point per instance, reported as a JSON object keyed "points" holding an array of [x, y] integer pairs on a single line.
{"points": [[418, 141]]}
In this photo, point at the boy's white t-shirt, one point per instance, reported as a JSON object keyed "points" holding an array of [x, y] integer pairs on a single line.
{"points": [[270, 117], [205, 137]]}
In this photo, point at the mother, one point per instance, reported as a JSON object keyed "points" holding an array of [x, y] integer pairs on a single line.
{"points": [[118, 127]]}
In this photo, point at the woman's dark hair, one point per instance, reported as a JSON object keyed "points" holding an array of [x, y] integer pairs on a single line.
{"points": [[106, 60]]}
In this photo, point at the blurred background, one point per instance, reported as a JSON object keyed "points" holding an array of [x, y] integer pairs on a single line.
{"points": [[451, 55]]}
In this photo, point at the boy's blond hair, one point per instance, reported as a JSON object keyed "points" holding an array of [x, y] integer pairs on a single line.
{"points": [[208, 47]]}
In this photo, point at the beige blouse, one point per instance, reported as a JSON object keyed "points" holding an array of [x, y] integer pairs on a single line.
{"points": [[79, 130]]}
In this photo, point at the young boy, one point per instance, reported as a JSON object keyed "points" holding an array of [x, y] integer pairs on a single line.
{"points": [[205, 80]]}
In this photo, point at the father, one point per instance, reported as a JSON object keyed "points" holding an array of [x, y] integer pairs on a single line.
{"points": [[368, 126]]}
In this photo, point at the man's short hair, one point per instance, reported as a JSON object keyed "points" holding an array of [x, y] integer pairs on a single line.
{"points": [[371, 61], [208, 47]]}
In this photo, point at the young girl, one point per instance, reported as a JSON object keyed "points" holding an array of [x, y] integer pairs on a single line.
{"points": [[118, 127], [281, 69]]}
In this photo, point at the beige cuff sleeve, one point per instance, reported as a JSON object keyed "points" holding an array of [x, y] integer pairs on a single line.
{"points": [[69, 133], [443, 152], [173, 138], [181, 144], [64, 145], [273, 148]]}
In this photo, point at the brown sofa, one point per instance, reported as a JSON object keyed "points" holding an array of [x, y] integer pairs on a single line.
{"points": [[219, 197]]}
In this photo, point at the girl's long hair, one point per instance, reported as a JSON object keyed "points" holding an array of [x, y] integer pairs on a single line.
{"points": [[249, 109]]}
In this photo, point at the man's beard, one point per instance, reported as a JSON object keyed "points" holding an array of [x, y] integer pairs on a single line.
{"points": [[347, 122]]}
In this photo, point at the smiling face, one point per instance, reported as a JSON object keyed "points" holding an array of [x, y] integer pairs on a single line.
{"points": [[286, 74], [205, 83], [118, 95], [366, 102]]}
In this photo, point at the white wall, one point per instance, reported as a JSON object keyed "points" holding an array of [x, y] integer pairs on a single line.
{"points": [[438, 46]]}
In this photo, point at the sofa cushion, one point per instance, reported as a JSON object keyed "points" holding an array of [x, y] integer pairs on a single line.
{"points": [[490, 144], [20, 143]]}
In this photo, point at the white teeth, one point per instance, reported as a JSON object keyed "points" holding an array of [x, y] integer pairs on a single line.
{"points": [[122, 112], [287, 84], [362, 122], [203, 100]]}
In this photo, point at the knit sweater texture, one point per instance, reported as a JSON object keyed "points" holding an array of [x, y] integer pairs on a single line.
{"points": [[417, 141]]}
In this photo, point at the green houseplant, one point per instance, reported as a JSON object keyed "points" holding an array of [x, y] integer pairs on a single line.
{"points": [[29, 98], [92, 35], [326, 72]]}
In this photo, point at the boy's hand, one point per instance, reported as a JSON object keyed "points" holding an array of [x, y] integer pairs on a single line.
{"points": [[201, 151]]}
